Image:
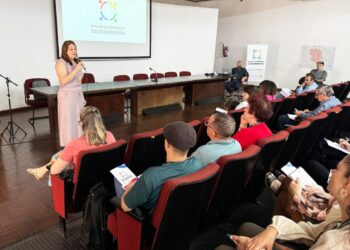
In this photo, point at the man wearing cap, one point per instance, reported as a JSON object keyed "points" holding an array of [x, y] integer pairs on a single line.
{"points": [[220, 128], [319, 74], [179, 138]]}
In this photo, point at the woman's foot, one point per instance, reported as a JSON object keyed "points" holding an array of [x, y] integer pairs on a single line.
{"points": [[38, 173]]}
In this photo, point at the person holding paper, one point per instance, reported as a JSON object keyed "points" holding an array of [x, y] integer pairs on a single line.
{"points": [[325, 158], [324, 94], [308, 85], [220, 127], [94, 136], [144, 192], [333, 233]]}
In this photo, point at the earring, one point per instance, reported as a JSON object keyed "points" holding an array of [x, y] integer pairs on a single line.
{"points": [[343, 193]]}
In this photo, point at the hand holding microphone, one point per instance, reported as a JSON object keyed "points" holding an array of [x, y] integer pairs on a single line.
{"points": [[80, 64]]}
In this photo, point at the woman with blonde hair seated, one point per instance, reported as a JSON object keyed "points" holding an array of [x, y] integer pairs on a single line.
{"points": [[94, 135]]}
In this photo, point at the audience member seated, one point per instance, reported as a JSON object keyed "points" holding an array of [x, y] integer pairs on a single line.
{"points": [[324, 94], [333, 233], [308, 85], [248, 90], [220, 128], [324, 159], [239, 76], [269, 89], [319, 73], [310, 203], [144, 192], [252, 126], [94, 135]]}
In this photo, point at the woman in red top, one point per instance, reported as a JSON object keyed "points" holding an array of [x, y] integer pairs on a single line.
{"points": [[95, 135], [252, 126]]}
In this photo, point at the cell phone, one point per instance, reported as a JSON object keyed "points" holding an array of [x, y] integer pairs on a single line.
{"points": [[230, 235]]}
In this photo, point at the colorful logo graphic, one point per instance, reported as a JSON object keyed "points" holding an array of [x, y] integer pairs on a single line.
{"points": [[108, 9]]}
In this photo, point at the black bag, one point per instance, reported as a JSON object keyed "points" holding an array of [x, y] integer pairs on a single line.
{"points": [[94, 232]]}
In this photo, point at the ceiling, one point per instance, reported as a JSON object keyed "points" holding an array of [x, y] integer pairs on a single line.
{"points": [[236, 7]]}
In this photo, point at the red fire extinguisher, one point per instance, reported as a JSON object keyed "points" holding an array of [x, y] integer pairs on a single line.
{"points": [[225, 50]]}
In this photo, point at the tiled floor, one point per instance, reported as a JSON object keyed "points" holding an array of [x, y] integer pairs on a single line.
{"points": [[25, 204]]}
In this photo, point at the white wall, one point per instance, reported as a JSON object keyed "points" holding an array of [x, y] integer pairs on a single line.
{"points": [[286, 30], [183, 38]]}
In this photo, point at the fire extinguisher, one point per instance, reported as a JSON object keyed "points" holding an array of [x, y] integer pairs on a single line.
{"points": [[225, 50]]}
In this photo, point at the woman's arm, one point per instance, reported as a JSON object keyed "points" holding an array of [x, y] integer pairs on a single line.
{"points": [[62, 75]]}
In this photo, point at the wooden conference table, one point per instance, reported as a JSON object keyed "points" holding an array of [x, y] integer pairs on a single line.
{"points": [[109, 98]]}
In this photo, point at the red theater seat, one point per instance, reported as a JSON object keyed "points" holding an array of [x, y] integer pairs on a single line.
{"points": [[270, 150], [234, 172], [145, 150], [121, 78], [140, 76], [35, 100], [176, 218], [90, 167], [159, 75], [170, 74], [185, 73], [88, 78]]}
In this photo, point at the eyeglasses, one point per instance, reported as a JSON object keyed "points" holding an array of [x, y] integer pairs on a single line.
{"points": [[206, 123]]}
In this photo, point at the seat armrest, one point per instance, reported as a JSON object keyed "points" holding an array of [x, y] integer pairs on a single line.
{"points": [[138, 214]]}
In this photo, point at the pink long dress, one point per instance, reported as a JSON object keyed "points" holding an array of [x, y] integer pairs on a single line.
{"points": [[70, 101]]}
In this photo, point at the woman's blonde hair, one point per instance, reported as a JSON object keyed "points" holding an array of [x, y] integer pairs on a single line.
{"points": [[92, 125]]}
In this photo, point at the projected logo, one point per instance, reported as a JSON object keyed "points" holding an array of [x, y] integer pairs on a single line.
{"points": [[108, 9]]}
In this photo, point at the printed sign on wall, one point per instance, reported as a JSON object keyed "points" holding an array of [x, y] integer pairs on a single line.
{"points": [[256, 61]]}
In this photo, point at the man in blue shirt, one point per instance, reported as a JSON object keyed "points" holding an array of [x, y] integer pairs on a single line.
{"points": [[179, 138], [324, 94], [308, 85], [220, 128]]}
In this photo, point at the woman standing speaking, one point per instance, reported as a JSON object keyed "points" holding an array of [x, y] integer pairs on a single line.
{"points": [[70, 96]]}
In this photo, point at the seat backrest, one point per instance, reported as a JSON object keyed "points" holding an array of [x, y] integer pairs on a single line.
{"points": [[140, 76], [93, 166], [196, 124], [159, 75], [88, 78], [286, 105], [145, 150], [236, 115], [303, 101], [270, 149], [310, 138], [276, 104], [344, 117], [338, 92], [34, 83], [180, 208], [345, 93], [330, 127], [170, 74], [291, 147], [202, 137], [185, 73], [234, 172], [121, 78]]}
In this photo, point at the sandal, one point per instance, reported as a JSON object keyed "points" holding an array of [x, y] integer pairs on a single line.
{"points": [[38, 173]]}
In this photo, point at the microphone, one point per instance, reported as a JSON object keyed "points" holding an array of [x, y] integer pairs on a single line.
{"points": [[155, 79], [78, 59]]}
